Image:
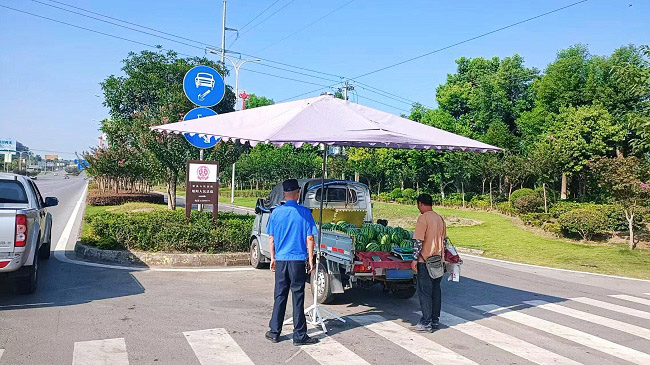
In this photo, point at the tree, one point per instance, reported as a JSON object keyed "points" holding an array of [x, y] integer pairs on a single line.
{"points": [[255, 101], [151, 93], [627, 181]]}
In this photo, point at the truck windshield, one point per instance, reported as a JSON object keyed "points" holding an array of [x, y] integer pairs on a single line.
{"points": [[337, 195], [12, 191]]}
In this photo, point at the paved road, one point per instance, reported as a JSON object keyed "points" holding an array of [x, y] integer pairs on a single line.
{"points": [[90, 315]]}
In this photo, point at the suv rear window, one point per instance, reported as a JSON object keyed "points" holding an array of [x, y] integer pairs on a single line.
{"points": [[11, 191], [338, 195]]}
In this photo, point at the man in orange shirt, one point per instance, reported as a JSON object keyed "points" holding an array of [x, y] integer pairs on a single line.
{"points": [[429, 236]]}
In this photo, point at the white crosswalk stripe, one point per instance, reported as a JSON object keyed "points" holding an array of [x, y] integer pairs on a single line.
{"points": [[568, 333], [1, 352], [100, 352], [630, 298], [504, 341], [415, 343], [613, 307], [329, 352], [589, 317], [216, 346]]}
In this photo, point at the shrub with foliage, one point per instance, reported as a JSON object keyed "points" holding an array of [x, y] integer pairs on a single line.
{"points": [[528, 204], [169, 231], [521, 193], [536, 219], [382, 197], [409, 194], [395, 194], [552, 227], [586, 221], [564, 206], [97, 198]]}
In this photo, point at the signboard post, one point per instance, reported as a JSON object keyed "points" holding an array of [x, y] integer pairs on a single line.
{"points": [[202, 186]]}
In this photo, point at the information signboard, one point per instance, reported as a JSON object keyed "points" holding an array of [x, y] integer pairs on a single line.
{"points": [[204, 86], [7, 145], [202, 185]]}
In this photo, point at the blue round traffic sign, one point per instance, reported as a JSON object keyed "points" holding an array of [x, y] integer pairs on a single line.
{"points": [[204, 86], [195, 140]]}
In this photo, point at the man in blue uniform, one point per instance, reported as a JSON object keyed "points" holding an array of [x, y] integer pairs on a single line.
{"points": [[291, 229]]}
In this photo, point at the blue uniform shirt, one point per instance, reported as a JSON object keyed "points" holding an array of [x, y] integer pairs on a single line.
{"points": [[290, 225]]}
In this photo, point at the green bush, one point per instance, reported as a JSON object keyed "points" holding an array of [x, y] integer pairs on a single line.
{"points": [[382, 197], [97, 198], [536, 219], [564, 206], [586, 221], [225, 192], [506, 208], [551, 195], [521, 193], [395, 194], [410, 194], [169, 231], [616, 220], [528, 204], [552, 227]]}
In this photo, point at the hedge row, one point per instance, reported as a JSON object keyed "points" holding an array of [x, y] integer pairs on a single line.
{"points": [[97, 198], [225, 192], [168, 231]]}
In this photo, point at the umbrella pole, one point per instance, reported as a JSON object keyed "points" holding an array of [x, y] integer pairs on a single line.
{"points": [[317, 314]]}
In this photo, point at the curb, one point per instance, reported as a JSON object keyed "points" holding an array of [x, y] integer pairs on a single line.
{"points": [[143, 259]]}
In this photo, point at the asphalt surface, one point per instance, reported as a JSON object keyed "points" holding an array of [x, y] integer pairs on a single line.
{"points": [[92, 315]]}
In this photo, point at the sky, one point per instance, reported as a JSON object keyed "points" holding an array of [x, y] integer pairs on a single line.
{"points": [[50, 73]]}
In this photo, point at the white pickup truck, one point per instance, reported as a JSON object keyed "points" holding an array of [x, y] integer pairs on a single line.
{"points": [[25, 230]]}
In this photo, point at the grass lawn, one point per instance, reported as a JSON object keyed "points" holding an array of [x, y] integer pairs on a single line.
{"points": [[500, 238], [242, 202]]}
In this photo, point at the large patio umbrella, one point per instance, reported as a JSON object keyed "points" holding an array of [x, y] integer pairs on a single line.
{"points": [[329, 121], [324, 119]]}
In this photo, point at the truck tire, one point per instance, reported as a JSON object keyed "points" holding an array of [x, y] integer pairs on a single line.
{"points": [[324, 285], [44, 252], [255, 254], [27, 284]]}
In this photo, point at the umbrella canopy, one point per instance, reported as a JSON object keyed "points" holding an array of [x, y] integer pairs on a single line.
{"points": [[325, 119]]}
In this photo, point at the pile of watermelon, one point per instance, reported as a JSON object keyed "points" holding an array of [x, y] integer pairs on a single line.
{"points": [[373, 237]]}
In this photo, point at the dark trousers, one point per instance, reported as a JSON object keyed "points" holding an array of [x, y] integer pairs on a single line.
{"points": [[429, 294], [290, 275]]}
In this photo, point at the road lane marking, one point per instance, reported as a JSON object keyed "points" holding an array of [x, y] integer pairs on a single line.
{"points": [[105, 352], [612, 307], [216, 346], [415, 343], [329, 352], [630, 298], [568, 333], [1, 352], [593, 318], [61, 247]]}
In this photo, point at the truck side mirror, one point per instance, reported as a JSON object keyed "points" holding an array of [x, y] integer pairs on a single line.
{"points": [[51, 201], [259, 206], [383, 222]]}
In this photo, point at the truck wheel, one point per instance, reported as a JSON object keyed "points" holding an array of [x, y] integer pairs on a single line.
{"points": [[27, 284], [324, 286], [256, 255], [44, 252]]}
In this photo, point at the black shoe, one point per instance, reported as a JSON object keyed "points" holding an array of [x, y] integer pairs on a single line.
{"points": [[269, 336], [435, 324], [306, 341]]}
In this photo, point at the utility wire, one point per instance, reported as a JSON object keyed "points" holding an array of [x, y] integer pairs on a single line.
{"points": [[306, 26], [120, 20], [471, 39], [267, 18], [376, 91], [250, 21], [379, 102], [91, 30]]}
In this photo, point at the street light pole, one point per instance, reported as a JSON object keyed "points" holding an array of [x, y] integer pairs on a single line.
{"points": [[236, 65]]}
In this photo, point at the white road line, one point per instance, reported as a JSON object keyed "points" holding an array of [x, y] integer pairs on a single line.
{"points": [[100, 352], [215, 346], [1, 352], [60, 248], [415, 343], [329, 352], [568, 333], [630, 298], [612, 307], [504, 341], [593, 318]]}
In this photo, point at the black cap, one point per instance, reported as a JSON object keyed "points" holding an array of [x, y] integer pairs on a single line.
{"points": [[290, 185]]}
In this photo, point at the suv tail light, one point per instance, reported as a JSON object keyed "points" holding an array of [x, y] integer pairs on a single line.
{"points": [[21, 230]]}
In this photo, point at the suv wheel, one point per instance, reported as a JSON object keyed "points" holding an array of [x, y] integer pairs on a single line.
{"points": [[45, 250], [27, 284], [256, 255]]}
